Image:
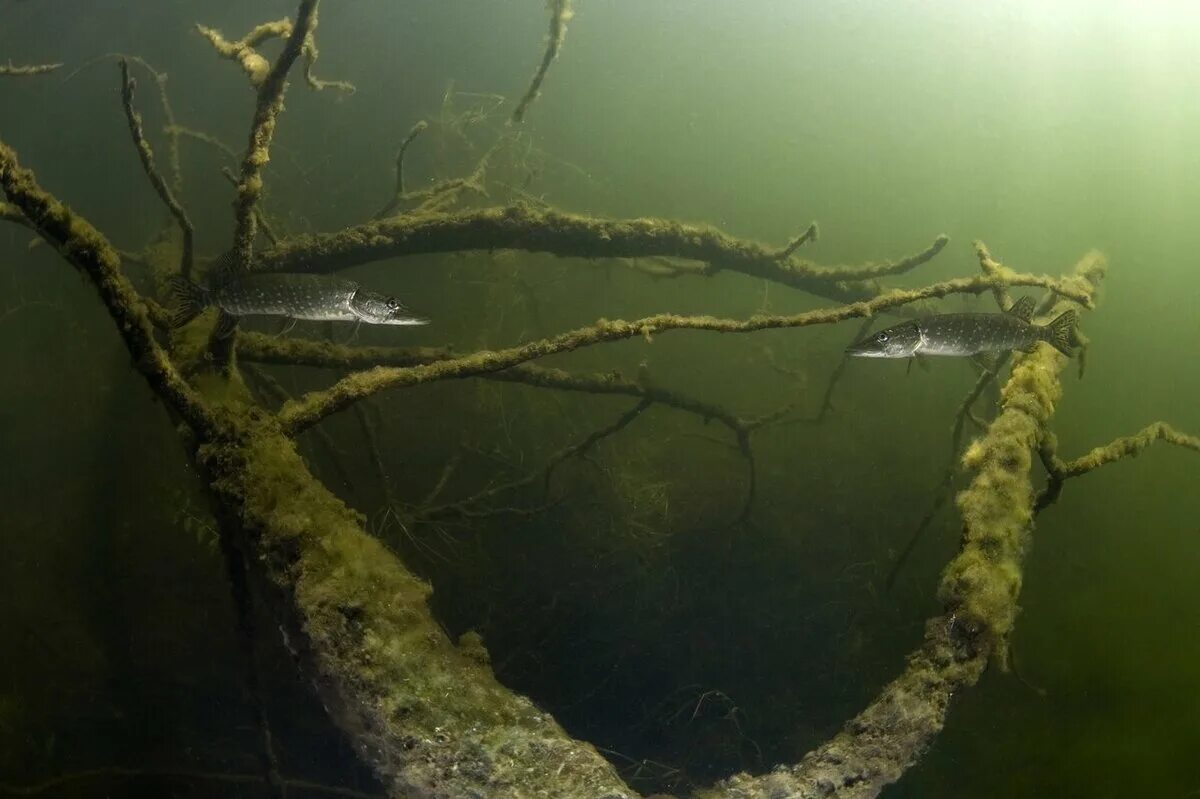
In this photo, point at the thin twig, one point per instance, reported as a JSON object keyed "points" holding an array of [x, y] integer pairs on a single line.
{"points": [[262, 131], [146, 154], [12, 70], [316, 405], [398, 193], [811, 233], [1060, 471], [560, 14]]}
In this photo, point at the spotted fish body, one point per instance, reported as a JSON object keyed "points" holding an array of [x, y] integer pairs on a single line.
{"points": [[311, 297], [964, 334]]}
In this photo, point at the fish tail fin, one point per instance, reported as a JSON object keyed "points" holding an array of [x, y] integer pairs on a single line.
{"points": [[187, 300], [1059, 332]]}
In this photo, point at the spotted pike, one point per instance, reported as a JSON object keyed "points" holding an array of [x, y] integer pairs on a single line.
{"points": [[968, 334], [310, 297]]}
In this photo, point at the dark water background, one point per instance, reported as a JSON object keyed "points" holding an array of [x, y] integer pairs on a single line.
{"points": [[634, 609]]}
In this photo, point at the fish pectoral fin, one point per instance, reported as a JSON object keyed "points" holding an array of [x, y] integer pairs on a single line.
{"points": [[223, 268], [226, 324], [188, 299], [1030, 347], [288, 323], [919, 361], [1022, 308], [982, 362]]}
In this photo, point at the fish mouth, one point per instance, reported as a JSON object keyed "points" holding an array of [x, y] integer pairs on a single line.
{"points": [[407, 321], [859, 351]]}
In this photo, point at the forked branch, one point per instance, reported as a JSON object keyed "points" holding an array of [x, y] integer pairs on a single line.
{"points": [[313, 407], [1060, 471]]}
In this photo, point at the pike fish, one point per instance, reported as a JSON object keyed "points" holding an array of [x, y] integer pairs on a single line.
{"points": [[963, 334], [311, 297]]}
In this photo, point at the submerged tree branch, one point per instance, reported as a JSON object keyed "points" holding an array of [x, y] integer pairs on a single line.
{"points": [[87, 249], [146, 154], [1059, 471], [262, 131], [560, 14], [979, 591], [521, 227], [311, 408], [23, 71], [398, 193]]}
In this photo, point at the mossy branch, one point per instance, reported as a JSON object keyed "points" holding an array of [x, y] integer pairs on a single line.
{"points": [[522, 227], [398, 194], [27, 70], [87, 249], [311, 54], [146, 155], [11, 213], [310, 409], [979, 588], [260, 217], [1127, 447], [560, 14], [242, 51], [170, 128], [981, 584], [811, 233], [435, 721], [262, 130], [1059, 471]]}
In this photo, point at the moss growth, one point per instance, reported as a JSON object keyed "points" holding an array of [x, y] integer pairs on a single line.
{"points": [[433, 715]]}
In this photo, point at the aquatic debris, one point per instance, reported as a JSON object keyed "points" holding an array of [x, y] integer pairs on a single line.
{"points": [[13, 70]]}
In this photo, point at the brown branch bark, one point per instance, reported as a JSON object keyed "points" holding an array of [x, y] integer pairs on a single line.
{"points": [[398, 193], [979, 590], [522, 227], [24, 71], [262, 131], [310, 409], [560, 14], [1059, 471], [146, 155], [86, 248]]}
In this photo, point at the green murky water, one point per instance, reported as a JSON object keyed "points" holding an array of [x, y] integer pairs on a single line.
{"points": [[634, 604]]}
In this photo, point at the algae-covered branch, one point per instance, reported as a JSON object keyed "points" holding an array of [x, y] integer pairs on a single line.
{"points": [[426, 709]]}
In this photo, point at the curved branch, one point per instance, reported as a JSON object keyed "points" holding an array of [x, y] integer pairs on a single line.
{"points": [[398, 194], [1129, 446], [87, 249], [261, 348], [146, 154], [12, 70], [314, 406], [979, 590], [811, 233], [560, 14], [522, 227], [1060, 471], [11, 213], [262, 131]]}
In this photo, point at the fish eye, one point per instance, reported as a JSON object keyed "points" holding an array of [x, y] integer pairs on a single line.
{"points": [[882, 336], [393, 304]]}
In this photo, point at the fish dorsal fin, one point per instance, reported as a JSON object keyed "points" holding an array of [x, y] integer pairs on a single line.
{"points": [[226, 324], [1022, 309], [223, 269]]}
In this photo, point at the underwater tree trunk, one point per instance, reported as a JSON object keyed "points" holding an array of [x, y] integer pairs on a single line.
{"points": [[426, 712]]}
